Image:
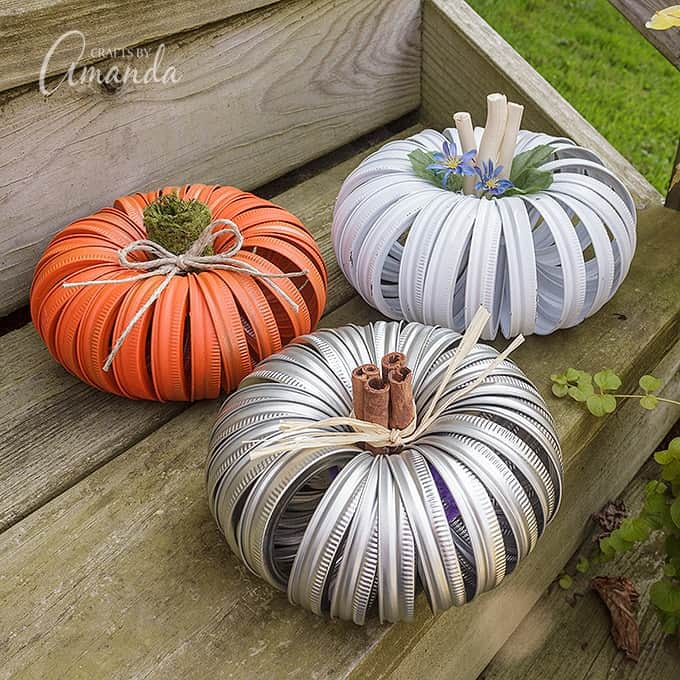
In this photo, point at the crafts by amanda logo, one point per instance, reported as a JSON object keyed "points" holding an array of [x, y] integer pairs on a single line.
{"points": [[147, 65]]}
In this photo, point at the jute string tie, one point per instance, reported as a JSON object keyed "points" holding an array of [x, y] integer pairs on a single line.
{"points": [[167, 264], [296, 435]]}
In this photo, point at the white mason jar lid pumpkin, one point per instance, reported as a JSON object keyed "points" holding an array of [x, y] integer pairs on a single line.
{"points": [[538, 261]]}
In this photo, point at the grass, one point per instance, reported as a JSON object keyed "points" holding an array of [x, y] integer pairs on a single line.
{"points": [[604, 68]]}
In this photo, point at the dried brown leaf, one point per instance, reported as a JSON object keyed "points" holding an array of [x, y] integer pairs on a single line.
{"points": [[621, 598], [609, 518]]}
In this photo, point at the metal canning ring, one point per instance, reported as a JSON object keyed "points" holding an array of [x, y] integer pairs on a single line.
{"points": [[319, 549], [131, 368], [356, 573], [347, 533], [168, 330]]}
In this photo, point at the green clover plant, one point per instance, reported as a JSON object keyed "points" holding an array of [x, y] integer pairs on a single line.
{"points": [[661, 508], [598, 392], [660, 512]]}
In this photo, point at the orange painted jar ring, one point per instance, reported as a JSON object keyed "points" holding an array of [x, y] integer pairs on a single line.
{"points": [[52, 271], [298, 237], [65, 349], [133, 370], [112, 234], [119, 219], [262, 331], [228, 327], [206, 329], [168, 331], [262, 215], [206, 360], [293, 236], [94, 337], [49, 313], [287, 257], [291, 322]]}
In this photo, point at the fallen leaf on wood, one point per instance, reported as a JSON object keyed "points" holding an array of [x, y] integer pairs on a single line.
{"points": [[621, 598], [609, 518]]}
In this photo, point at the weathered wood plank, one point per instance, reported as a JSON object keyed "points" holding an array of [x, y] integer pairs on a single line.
{"points": [[28, 29], [54, 429], [260, 94], [559, 629], [476, 61], [124, 574], [639, 12]]}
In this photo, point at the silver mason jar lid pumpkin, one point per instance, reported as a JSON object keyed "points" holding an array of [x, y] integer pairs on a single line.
{"points": [[346, 532], [538, 261]]}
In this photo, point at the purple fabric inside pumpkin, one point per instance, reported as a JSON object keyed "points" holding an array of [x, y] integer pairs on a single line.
{"points": [[450, 508]]}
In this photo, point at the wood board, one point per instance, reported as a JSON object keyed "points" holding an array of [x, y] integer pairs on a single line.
{"points": [[28, 30]]}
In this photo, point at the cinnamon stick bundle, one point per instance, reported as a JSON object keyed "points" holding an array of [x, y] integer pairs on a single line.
{"points": [[377, 401], [386, 401]]}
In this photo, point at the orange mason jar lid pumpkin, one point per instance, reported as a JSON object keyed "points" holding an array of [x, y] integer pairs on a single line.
{"points": [[176, 294]]}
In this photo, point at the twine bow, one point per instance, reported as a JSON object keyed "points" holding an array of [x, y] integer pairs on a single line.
{"points": [[168, 264], [298, 436]]}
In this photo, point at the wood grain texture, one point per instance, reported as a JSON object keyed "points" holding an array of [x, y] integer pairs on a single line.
{"points": [[29, 29], [54, 430], [260, 94], [477, 61], [125, 575], [639, 12], [575, 625]]}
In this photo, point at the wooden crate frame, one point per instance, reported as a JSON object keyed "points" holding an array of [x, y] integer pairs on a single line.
{"points": [[111, 563]]}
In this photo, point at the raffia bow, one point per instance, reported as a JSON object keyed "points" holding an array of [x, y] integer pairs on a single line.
{"points": [[297, 435], [167, 264]]}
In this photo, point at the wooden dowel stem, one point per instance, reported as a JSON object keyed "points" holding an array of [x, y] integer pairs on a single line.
{"points": [[466, 135], [507, 150], [496, 115]]}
